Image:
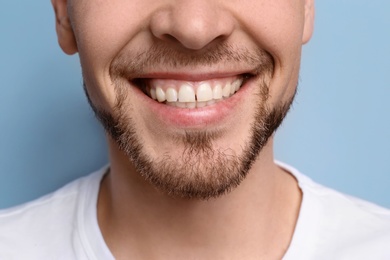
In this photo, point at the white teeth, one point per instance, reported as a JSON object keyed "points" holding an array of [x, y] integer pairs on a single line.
{"points": [[232, 89], [201, 104], [211, 102], [153, 93], [181, 105], [186, 93], [171, 95], [217, 92], [160, 94], [226, 90], [191, 104], [204, 92], [237, 84]]}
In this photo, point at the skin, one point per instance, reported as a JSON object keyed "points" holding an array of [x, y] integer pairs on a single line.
{"points": [[255, 220]]}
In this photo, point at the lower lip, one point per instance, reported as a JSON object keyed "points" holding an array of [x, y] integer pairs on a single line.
{"points": [[197, 117]]}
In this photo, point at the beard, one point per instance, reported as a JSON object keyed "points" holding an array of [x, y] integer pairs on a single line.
{"points": [[201, 171]]}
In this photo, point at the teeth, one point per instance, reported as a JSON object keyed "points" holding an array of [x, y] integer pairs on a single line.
{"points": [[181, 105], [201, 104], [160, 94], [186, 93], [232, 88], [204, 92], [171, 95], [217, 92], [207, 93], [211, 102], [191, 104], [237, 84], [153, 93], [226, 90]]}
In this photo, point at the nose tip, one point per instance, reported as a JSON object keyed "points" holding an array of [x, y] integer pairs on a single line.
{"points": [[193, 24]]}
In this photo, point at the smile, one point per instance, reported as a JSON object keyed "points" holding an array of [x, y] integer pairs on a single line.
{"points": [[193, 102], [191, 94]]}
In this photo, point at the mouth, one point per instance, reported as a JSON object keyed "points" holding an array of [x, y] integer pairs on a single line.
{"points": [[191, 94]]}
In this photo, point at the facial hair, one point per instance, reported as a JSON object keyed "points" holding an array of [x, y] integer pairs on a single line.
{"points": [[201, 171]]}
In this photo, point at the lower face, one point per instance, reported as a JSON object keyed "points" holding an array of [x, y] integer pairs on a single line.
{"points": [[192, 139], [192, 123]]}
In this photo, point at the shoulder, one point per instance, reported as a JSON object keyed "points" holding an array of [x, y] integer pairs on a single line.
{"points": [[340, 226], [45, 224]]}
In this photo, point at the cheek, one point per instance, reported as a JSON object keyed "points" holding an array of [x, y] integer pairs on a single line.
{"points": [[279, 32], [103, 27], [278, 27], [99, 39], [103, 30]]}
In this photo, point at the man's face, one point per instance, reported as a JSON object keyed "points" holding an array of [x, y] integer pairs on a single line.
{"points": [[190, 90]]}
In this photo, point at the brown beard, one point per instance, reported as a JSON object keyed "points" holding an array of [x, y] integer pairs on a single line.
{"points": [[201, 172]]}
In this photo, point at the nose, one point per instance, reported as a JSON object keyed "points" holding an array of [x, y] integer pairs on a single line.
{"points": [[193, 24]]}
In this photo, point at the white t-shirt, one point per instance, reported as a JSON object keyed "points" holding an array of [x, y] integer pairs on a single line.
{"points": [[63, 225]]}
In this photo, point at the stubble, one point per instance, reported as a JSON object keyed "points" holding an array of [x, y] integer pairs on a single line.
{"points": [[201, 171]]}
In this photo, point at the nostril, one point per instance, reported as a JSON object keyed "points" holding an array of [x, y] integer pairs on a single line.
{"points": [[170, 39], [192, 24]]}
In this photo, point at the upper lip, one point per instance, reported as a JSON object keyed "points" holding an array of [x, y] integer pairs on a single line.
{"points": [[187, 66], [194, 75], [141, 81]]}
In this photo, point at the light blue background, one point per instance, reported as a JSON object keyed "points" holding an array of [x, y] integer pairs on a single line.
{"points": [[338, 131]]}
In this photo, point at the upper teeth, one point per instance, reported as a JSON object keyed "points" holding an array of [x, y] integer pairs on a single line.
{"points": [[192, 94]]}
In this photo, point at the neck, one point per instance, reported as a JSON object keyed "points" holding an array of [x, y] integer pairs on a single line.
{"points": [[256, 219]]}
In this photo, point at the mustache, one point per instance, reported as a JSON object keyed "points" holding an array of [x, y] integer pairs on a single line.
{"points": [[131, 65]]}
